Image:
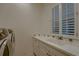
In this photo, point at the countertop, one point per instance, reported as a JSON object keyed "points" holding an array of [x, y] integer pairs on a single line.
{"points": [[71, 48]]}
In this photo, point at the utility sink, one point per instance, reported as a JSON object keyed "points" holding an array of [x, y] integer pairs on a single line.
{"points": [[56, 41], [71, 48]]}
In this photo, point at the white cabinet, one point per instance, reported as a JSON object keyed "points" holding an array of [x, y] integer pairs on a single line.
{"points": [[55, 52], [43, 49], [38, 48], [35, 47]]}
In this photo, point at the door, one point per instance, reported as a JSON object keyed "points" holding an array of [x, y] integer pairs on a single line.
{"points": [[6, 51]]}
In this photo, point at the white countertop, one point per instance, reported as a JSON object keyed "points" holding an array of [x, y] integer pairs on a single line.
{"points": [[71, 48]]}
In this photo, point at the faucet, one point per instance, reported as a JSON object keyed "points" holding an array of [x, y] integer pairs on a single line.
{"points": [[70, 39], [61, 38], [53, 36]]}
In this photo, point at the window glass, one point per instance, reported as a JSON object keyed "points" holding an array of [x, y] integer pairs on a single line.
{"points": [[55, 19], [68, 18]]}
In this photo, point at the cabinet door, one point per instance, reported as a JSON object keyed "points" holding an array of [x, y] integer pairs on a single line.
{"points": [[43, 51], [35, 47], [48, 49]]}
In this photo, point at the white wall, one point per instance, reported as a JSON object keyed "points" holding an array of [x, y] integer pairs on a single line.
{"points": [[47, 18], [24, 19]]}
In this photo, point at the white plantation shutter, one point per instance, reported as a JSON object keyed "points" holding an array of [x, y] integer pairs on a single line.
{"points": [[68, 19], [55, 19]]}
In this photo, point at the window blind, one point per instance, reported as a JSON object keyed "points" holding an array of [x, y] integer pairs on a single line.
{"points": [[68, 19], [55, 19]]}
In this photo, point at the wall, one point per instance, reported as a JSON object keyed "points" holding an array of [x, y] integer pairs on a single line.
{"points": [[47, 18], [24, 19]]}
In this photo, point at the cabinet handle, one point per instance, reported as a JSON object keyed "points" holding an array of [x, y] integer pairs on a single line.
{"points": [[34, 54], [48, 54]]}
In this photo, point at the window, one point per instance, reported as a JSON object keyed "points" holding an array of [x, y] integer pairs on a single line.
{"points": [[55, 19], [67, 19]]}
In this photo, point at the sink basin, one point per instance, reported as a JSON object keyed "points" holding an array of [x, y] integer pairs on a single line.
{"points": [[71, 48], [66, 45], [56, 41]]}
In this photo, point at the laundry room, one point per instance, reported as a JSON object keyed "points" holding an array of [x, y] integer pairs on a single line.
{"points": [[39, 29]]}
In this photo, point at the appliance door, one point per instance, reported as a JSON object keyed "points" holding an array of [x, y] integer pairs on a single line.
{"points": [[2, 47], [8, 49]]}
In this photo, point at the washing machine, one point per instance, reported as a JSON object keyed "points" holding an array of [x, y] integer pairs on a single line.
{"points": [[7, 42]]}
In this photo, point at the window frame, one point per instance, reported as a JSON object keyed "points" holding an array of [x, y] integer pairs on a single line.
{"points": [[75, 23]]}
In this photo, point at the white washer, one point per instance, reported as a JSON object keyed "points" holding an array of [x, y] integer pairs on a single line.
{"points": [[7, 45]]}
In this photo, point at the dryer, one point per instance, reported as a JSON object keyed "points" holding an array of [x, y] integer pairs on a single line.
{"points": [[7, 42]]}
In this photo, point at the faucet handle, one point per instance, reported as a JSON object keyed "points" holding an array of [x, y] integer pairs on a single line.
{"points": [[53, 36], [61, 37], [70, 39], [48, 35]]}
